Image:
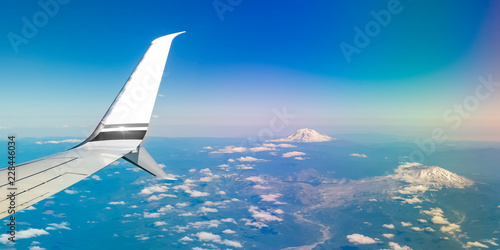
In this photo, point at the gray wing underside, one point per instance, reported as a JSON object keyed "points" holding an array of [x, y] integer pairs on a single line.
{"points": [[40, 179]]}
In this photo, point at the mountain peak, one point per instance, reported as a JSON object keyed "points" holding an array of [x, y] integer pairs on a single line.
{"points": [[305, 135], [417, 173]]}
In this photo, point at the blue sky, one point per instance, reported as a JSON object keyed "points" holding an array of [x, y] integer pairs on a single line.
{"points": [[225, 76]]}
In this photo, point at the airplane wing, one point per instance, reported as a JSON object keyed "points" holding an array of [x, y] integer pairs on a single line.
{"points": [[118, 135]]}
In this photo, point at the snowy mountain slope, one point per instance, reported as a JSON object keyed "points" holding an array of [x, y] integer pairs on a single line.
{"points": [[305, 135]]}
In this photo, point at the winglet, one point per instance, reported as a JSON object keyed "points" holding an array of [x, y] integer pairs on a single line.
{"points": [[141, 158], [129, 115]]}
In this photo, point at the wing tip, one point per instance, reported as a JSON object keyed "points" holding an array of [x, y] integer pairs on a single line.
{"points": [[167, 37]]}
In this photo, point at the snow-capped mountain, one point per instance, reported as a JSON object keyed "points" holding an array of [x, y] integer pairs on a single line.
{"points": [[305, 135], [416, 173]]}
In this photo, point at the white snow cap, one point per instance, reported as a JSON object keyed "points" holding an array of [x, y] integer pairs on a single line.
{"points": [[305, 135]]}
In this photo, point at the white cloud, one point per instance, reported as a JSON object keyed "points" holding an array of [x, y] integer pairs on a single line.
{"points": [[186, 214], [211, 203], [358, 155], [299, 158], [188, 183], [270, 197], [258, 186], [360, 239], [229, 231], [182, 204], [117, 203], [422, 220], [207, 210], [390, 226], [255, 179], [230, 150], [206, 179], [151, 215], [185, 238], [249, 159], [166, 208], [438, 217], [413, 189], [451, 228], [230, 160], [192, 170], [292, 154], [23, 234], [204, 224], [232, 243], [223, 166], [259, 149], [433, 212], [183, 187], [388, 236], [262, 215], [257, 224], [96, 177], [62, 225], [278, 211], [206, 236], [68, 191], [142, 237], [208, 147], [206, 171], [160, 196], [406, 224], [476, 244], [160, 223], [36, 248], [229, 220], [244, 166], [396, 246], [412, 200], [439, 220], [286, 145], [418, 229], [492, 241], [154, 189], [194, 193]]}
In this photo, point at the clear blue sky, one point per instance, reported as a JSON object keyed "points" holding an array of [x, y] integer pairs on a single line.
{"points": [[225, 76]]}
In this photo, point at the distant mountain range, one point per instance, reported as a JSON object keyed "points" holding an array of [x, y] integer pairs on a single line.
{"points": [[305, 135]]}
